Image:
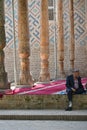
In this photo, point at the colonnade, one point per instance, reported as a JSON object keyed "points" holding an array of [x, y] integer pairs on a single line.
{"points": [[24, 42]]}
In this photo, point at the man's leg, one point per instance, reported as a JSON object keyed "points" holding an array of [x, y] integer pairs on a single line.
{"points": [[80, 91], [69, 94]]}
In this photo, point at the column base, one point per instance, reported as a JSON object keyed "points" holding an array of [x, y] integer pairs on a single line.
{"points": [[44, 78], [26, 81], [42, 82], [20, 86]]}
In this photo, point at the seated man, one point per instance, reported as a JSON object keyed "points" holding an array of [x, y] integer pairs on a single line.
{"points": [[73, 86]]}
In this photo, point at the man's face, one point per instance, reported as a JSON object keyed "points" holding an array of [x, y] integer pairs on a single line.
{"points": [[76, 74]]}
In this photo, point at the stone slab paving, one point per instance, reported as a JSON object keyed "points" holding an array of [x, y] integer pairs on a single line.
{"points": [[42, 125], [78, 115]]}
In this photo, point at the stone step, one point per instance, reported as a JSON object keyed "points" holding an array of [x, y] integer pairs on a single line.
{"points": [[43, 115]]}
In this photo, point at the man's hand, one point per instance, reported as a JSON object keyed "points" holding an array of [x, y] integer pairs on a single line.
{"points": [[73, 89]]}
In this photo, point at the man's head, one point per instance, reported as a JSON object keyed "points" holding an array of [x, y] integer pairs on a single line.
{"points": [[76, 73]]}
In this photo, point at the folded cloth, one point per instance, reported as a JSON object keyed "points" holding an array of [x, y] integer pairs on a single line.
{"points": [[1, 95]]}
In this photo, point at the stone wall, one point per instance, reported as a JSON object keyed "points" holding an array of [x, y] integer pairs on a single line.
{"points": [[34, 22], [42, 102]]}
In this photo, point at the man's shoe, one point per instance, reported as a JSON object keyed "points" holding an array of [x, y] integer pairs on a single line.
{"points": [[69, 109]]}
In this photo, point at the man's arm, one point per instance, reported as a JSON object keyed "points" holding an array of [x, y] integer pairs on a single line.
{"points": [[80, 83], [69, 84]]}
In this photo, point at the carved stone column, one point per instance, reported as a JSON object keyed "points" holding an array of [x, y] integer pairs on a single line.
{"points": [[44, 45], [24, 48], [60, 40], [3, 74], [86, 14], [72, 39]]}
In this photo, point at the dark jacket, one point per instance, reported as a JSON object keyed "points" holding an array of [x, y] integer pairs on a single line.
{"points": [[70, 82]]}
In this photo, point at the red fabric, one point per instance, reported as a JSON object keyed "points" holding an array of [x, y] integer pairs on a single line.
{"points": [[42, 89], [1, 95]]}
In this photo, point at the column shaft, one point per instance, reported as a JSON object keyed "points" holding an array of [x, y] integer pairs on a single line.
{"points": [[86, 14], [72, 39], [3, 74], [60, 39], [44, 45], [24, 48]]}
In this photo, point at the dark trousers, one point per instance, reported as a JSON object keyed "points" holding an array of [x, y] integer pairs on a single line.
{"points": [[78, 91]]}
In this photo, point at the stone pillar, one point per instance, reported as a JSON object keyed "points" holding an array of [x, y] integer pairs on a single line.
{"points": [[44, 43], [24, 48], [86, 14], [3, 74], [72, 39], [60, 40]]}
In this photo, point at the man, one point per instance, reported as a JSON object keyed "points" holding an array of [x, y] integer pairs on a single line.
{"points": [[73, 86]]}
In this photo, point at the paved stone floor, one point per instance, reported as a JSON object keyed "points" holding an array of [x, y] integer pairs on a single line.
{"points": [[42, 125]]}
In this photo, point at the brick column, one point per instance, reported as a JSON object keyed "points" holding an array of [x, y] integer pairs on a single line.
{"points": [[24, 48], [3, 74], [60, 40], [44, 45], [72, 39]]}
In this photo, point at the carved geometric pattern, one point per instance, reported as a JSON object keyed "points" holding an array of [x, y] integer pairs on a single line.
{"points": [[9, 21], [79, 16], [79, 21], [34, 22]]}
